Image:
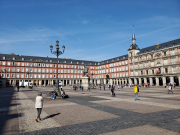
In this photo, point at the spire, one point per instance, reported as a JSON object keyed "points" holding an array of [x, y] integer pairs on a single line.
{"points": [[133, 38]]}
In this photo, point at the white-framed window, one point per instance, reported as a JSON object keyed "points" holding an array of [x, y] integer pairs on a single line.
{"points": [[35, 64], [22, 64], [64, 76], [22, 75], [50, 70], [27, 64], [61, 71], [17, 75], [39, 76], [35, 76], [3, 63], [43, 65], [50, 76], [42, 76], [39, 70], [46, 76], [8, 63], [43, 70], [61, 76], [22, 69]]}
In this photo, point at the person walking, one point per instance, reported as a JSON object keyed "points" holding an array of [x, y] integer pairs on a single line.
{"points": [[136, 92], [39, 105], [170, 89], [104, 87], [118, 87], [89, 88]]}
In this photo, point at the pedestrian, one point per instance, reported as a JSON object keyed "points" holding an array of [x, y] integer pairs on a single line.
{"points": [[109, 87], [61, 87], [170, 89], [18, 88], [174, 84], [82, 88], [118, 87], [104, 87], [89, 88], [136, 92], [39, 105], [99, 87]]}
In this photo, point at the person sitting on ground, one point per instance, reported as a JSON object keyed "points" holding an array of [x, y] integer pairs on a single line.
{"points": [[54, 94], [63, 94]]}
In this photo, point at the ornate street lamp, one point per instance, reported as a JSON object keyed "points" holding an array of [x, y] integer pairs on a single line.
{"points": [[28, 78], [57, 53]]}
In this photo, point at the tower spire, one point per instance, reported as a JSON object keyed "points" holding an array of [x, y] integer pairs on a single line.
{"points": [[133, 38]]}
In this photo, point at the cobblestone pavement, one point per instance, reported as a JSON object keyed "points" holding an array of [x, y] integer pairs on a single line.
{"points": [[94, 112]]}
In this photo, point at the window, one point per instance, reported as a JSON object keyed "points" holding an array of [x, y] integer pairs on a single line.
{"points": [[27, 64], [166, 70], [8, 63], [164, 53], [22, 64], [39, 65], [22, 58], [35, 64], [22, 69], [3, 63], [4, 58]]}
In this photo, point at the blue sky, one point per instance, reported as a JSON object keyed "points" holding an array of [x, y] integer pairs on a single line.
{"points": [[90, 29]]}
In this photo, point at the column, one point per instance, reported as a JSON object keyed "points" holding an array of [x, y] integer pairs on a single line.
{"points": [[116, 81], [140, 81], [164, 80], [135, 81], [130, 82], [145, 80], [172, 80], [104, 81], [48, 82], [157, 81], [9, 82], [126, 81], [151, 81], [110, 81]]}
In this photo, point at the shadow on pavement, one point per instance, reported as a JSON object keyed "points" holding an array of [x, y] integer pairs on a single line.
{"points": [[8, 118], [50, 116]]}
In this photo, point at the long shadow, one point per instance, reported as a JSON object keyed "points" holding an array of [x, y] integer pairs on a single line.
{"points": [[50, 116], [7, 100]]}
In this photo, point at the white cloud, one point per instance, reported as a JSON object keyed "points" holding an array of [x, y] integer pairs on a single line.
{"points": [[85, 22]]}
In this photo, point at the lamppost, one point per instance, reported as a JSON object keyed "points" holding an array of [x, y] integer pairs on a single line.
{"points": [[92, 80], [57, 53], [28, 78]]}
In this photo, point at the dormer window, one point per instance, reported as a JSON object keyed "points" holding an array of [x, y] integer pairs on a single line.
{"points": [[64, 61], [46, 60], [77, 62], [4, 58], [22, 58], [107, 61], [50, 60], [13, 58], [164, 53], [71, 62]]}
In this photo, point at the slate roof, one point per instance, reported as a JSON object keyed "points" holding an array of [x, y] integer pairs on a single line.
{"points": [[61, 60], [161, 46]]}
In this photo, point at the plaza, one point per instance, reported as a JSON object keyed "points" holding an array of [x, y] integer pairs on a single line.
{"points": [[94, 112]]}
